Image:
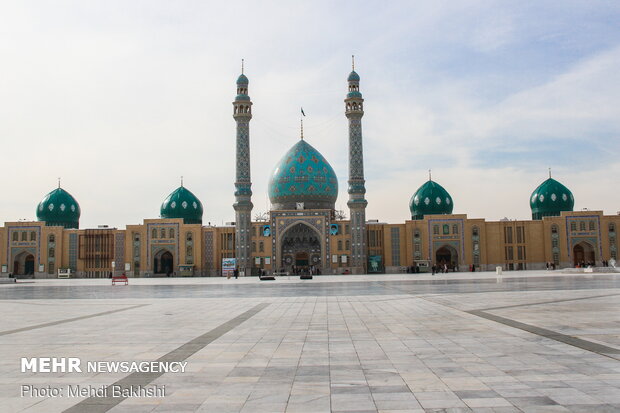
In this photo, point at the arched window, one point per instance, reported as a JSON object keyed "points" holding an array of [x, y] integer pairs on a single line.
{"points": [[154, 233], [612, 227], [592, 226], [573, 226], [24, 236], [455, 229], [253, 246], [16, 236], [416, 233], [554, 229], [171, 232], [33, 236], [189, 236], [51, 253], [347, 245], [435, 229], [261, 246], [162, 233], [446, 229], [136, 237], [50, 267], [51, 238], [474, 231], [339, 245], [582, 225]]}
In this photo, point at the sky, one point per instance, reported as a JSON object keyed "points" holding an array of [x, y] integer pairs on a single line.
{"points": [[121, 98]]}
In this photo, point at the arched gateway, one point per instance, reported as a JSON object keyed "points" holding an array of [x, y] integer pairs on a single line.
{"points": [[301, 248], [163, 262], [583, 254], [447, 255]]}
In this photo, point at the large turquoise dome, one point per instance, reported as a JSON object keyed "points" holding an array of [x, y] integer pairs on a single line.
{"points": [[430, 199], [59, 208], [303, 175], [551, 198], [182, 203]]}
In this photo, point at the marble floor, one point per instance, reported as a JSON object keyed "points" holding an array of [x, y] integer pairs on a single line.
{"points": [[531, 341]]}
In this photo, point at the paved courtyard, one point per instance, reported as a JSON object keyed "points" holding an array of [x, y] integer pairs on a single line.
{"points": [[530, 341]]}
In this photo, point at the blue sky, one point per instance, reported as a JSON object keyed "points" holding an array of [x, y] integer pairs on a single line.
{"points": [[122, 98]]}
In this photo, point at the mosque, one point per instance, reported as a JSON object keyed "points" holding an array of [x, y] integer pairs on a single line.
{"points": [[303, 231]]}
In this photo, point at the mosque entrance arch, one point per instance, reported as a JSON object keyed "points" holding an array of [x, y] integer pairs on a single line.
{"points": [[301, 249], [23, 264], [163, 262], [583, 254], [447, 255]]}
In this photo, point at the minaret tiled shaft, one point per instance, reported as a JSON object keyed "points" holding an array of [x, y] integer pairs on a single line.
{"points": [[354, 110], [242, 112]]}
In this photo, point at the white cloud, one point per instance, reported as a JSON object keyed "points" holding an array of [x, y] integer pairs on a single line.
{"points": [[121, 99]]}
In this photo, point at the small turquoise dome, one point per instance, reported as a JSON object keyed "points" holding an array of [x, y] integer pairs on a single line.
{"points": [[551, 198], [430, 199], [242, 97], [242, 79], [353, 77], [354, 94], [303, 175], [182, 203], [59, 208]]}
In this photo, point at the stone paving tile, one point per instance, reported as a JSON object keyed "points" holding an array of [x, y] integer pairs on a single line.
{"points": [[346, 353]]}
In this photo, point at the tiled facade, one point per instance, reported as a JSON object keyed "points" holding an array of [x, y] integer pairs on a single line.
{"points": [[459, 241]]}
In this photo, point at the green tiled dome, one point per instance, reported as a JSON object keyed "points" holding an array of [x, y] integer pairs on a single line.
{"points": [[242, 80], [353, 77], [430, 199], [551, 198], [303, 175], [182, 203], [59, 208]]}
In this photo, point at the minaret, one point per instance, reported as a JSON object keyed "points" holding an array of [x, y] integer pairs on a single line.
{"points": [[354, 111], [242, 113]]}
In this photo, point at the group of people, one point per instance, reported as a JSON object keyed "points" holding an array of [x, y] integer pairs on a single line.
{"points": [[550, 265], [299, 270], [443, 268]]}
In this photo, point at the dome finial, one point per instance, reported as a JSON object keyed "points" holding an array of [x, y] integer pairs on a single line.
{"points": [[302, 129], [58, 182], [549, 172], [429, 175], [181, 180], [242, 64], [353, 62]]}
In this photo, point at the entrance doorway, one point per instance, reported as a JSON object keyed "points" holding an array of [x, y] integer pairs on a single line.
{"points": [[163, 262], [447, 255], [23, 264], [301, 259], [583, 254], [301, 249]]}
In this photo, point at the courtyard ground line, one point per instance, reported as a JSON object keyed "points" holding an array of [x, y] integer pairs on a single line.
{"points": [[181, 353], [553, 335], [68, 320]]}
